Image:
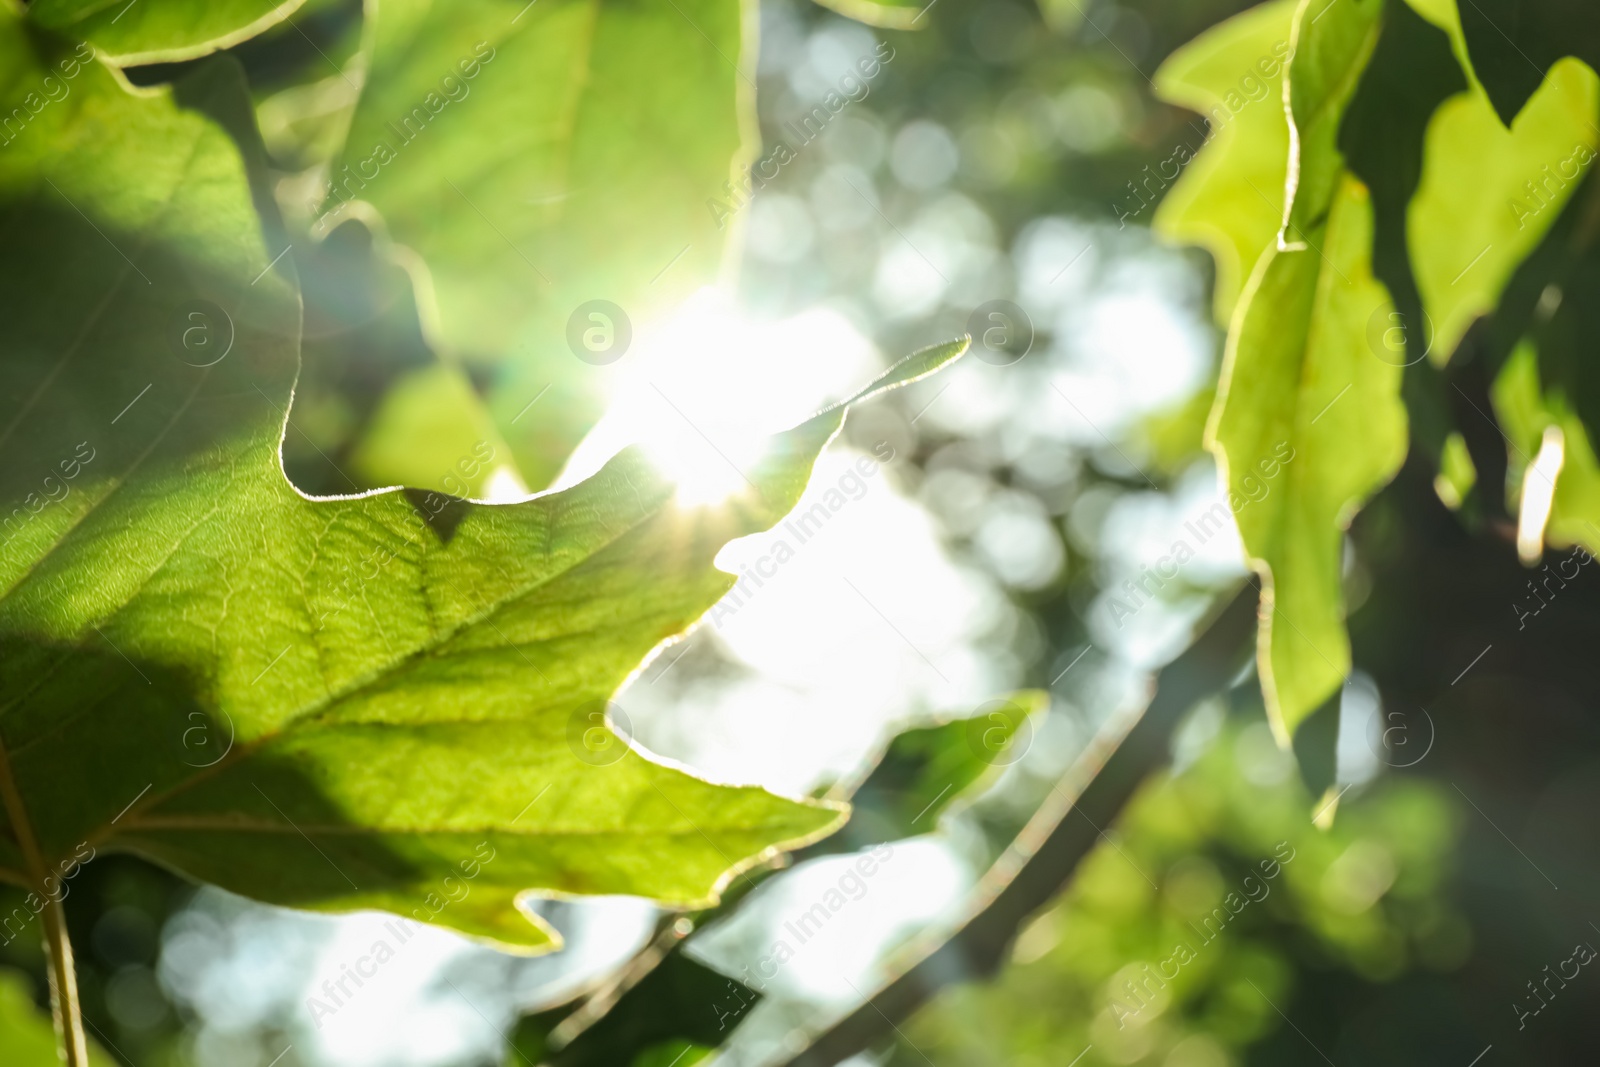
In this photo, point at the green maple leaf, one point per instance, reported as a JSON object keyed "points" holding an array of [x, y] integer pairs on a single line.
{"points": [[387, 701]]}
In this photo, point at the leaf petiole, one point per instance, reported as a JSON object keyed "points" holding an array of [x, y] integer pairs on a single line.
{"points": [[63, 983]]}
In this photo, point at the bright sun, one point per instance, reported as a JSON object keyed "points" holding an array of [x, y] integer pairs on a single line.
{"points": [[706, 469]]}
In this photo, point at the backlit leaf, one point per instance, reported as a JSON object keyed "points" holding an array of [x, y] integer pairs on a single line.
{"points": [[890, 14], [1515, 43], [1306, 407], [1229, 199], [926, 769], [615, 129], [1467, 237], [433, 412], [1413, 70], [1526, 411], [393, 700]]}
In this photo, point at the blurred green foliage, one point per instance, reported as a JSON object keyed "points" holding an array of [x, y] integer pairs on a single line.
{"points": [[1189, 922]]}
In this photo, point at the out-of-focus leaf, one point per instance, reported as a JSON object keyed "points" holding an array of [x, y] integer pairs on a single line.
{"points": [[1546, 321], [538, 157], [305, 124], [674, 1054], [1514, 43], [1174, 437], [361, 702], [27, 1037], [1413, 70], [1457, 476], [1316, 751], [1525, 411], [926, 769], [1062, 16], [561, 153], [888, 14], [540, 418], [431, 431], [375, 407], [320, 39], [160, 31], [679, 1003], [1229, 199], [1467, 236], [362, 337], [1305, 404], [1567, 321]]}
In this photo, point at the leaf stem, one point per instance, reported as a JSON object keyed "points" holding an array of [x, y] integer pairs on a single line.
{"points": [[64, 984], [58, 948]]}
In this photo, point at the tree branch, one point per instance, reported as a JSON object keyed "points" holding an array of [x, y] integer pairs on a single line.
{"points": [[1047, 852]]}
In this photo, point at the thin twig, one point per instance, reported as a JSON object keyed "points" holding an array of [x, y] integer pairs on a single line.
{"points": [[1049, 849], [63, 981]]}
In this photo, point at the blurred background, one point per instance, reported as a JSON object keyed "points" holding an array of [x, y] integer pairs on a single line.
{"points": [[991, 516]]}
